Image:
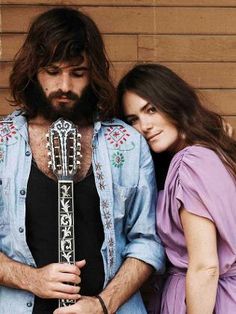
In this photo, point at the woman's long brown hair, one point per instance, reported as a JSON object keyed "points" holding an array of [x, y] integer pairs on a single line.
{"points": [[181, 105], [62, 34]]}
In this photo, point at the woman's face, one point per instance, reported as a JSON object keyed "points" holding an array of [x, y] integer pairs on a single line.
{"points": [[159, 132]]}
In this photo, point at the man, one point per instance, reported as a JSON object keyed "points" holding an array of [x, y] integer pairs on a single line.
{"points": [[61, 71]]}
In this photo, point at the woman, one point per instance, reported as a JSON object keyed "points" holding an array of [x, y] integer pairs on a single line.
{"points": [[196, 211]]}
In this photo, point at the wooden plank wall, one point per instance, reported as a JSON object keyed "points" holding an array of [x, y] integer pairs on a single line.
{"points": [[196, 38]]}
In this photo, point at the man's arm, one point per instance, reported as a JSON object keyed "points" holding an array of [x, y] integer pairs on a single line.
{"points": [[131, 275], [45, 282]]}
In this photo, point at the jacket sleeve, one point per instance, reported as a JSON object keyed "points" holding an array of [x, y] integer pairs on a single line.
{"points": [[143, 242]]}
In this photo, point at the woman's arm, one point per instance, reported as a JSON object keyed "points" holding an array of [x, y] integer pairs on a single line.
{"points": [[203, 268]]}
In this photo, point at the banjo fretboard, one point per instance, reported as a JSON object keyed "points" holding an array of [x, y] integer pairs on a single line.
{"points": [[64, 151]]}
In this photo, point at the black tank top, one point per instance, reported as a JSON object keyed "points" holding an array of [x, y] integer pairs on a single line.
{"points": [[42, 238]]}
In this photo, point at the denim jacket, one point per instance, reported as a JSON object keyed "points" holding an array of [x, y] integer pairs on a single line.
{"points": [[125, 183]]}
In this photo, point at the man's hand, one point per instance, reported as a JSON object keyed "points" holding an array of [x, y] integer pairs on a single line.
{"points": [[49, 282], [120, 289], [85, 305], [57, 281]]}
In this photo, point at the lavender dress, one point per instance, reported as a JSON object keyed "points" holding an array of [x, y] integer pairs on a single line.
{"points": [[198, 179]]}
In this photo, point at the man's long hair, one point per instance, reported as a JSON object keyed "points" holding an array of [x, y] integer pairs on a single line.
{"points": [[63, 35], [180, 104]]}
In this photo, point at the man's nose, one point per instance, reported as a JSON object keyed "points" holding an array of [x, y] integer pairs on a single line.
{"points": [[65, 83]]}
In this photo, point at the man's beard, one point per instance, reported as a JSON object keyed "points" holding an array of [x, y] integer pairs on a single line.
{"points": [[83, 109]]}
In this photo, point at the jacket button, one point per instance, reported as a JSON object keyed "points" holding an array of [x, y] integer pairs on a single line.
{"points": [[29, 304], [21, 229], [27, 153], [22, 192]]}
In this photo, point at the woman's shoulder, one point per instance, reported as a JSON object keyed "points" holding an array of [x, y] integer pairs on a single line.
{"points": [[200, 182], [197, 155], [198, 164]]}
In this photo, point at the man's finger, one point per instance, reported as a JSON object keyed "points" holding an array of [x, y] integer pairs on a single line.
{"points": [[81, 263]]}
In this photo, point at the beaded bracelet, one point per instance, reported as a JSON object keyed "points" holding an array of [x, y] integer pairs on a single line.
{"points": [[104, 308]]}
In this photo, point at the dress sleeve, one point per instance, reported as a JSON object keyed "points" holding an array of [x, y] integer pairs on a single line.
{"points": [[202, 183]]}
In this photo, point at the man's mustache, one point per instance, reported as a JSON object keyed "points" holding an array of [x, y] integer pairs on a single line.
{"points": [[69, 95]]}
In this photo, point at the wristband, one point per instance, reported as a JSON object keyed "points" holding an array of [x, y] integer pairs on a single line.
{"points": [[104, 308]]}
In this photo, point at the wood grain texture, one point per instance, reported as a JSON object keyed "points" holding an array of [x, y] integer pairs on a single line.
{"points": [[186, 48], [109, 19], [189, 3], [206, 74], [5, 107], [10, 44], [85, 2], [119, 69], [180, 20], [197, 3], [121, 47], [142, 20], [5, 68], [17, 19], [222, 101]]}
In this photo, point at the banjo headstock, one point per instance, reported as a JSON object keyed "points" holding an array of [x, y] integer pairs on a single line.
{"points": [[63, 143]]}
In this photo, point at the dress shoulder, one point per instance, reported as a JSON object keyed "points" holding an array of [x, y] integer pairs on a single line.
{"points": [[203, 183]]}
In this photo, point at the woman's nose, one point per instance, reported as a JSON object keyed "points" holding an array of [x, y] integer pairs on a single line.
{"points": [[145, 125]]}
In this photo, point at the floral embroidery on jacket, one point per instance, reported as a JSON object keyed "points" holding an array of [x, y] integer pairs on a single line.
{"points": [[106, 212], [100, 176], [8, 134], [1, 154], [116, 135], [111, 251], [118, 159]]}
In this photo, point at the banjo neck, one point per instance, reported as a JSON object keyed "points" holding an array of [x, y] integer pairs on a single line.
{"points": [[64, 154]]}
